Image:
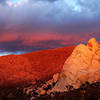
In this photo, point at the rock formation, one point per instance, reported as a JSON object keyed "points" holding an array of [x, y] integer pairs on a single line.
{"points": [[83, 65]]}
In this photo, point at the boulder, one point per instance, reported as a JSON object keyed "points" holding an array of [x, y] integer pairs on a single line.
{"points": [[81, 66]]}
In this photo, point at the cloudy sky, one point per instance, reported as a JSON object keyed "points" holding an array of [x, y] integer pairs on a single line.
{"points": [[30, 25]]}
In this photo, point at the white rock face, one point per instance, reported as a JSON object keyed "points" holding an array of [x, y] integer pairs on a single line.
{"points": [[83, 65]]}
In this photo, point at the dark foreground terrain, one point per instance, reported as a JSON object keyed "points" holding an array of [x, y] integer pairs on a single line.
{"points": [[85, 92]]}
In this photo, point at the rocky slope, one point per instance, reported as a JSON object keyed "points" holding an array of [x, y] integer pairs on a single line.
{"points": [[19, 70]]}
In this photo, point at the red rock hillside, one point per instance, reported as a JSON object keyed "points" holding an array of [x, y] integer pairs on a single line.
{"points": [[17, 70]]}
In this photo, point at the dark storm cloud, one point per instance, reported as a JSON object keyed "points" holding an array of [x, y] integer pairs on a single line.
{"points": [[45, 0], [92, 5], [51, 0], [41, 24], [44, 45], [5, 1], [14, 46], [2, 1], [62, 16], [32, 43]]}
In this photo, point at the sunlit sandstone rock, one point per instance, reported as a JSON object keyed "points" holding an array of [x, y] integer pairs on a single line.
{"points": [[83, 65]]}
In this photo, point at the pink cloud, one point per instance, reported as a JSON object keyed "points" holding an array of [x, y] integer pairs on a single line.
{"points": [[44, 40], [8, 37], [66, 38]]}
